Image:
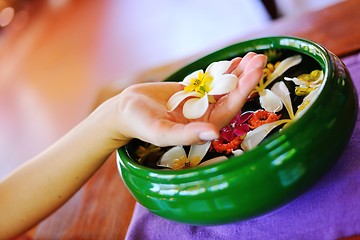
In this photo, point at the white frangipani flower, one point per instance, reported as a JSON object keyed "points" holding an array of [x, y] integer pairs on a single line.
{"points": [[200, 87], [269, 100], [176, 158], [282, 92], [308, 85], [312, 83]]}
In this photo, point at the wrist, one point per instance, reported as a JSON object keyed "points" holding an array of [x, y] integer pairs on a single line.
{"points": [[103, 124]]}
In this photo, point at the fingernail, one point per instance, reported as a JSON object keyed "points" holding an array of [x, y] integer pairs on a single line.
{"points": [[264, 61], [207, 136], [260, 62]]}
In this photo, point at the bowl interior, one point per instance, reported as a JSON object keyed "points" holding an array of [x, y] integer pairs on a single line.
{"points": [[314, 57]]}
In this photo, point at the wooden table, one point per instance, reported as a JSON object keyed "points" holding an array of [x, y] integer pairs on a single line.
{"points": [[102, 209]]}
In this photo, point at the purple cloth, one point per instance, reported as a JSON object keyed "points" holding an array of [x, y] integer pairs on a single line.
{"points": [[330, 210]]}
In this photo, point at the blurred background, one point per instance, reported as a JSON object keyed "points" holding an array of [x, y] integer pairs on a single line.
{"points": [[59, 59], [58, 56]]}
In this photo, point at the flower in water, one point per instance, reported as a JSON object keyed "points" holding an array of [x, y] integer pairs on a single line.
{"points": [[270, 122], [176, 158], [306, 83], [201, 87], [269, 100], [308, 86], [233, 134], [253, 138], [261, 117]]}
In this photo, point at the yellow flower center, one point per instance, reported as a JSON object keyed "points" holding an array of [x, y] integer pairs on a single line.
{"points": [[267, 71], [195, 161], [270, 68], [311, 77], [180, 163], [184, 162], [200, 84], [308, 78]]}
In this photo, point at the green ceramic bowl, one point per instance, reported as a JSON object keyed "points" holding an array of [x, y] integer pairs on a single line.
{"points": [[275, 172]]}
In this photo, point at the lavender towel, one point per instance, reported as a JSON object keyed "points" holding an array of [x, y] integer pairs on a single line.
{"points": [[330, 210]]}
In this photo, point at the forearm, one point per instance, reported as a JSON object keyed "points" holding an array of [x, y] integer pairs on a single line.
{"points": [[43, 184]]}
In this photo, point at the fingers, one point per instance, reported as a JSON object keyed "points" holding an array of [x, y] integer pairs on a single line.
{"points": [[244, 62], [228, 106], [250, 77], [234, 64], [247, 80], [169, 133], [237, 98]]}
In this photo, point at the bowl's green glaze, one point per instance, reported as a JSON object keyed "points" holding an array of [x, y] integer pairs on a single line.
{"points": [[267, 177]]}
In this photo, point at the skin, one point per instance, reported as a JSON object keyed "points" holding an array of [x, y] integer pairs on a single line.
{"points": [[36, 189]]}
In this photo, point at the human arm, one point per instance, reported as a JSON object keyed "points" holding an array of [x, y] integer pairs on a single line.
{"points": [[47, 181]]}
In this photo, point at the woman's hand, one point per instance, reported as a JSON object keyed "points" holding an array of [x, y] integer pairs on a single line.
{"points": [[140, 110]]}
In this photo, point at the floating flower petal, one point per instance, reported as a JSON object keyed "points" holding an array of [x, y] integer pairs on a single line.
{"points": [[195, 107], [253, 138], [178, 97], [284, 66], [283, 93], [237, 127], [307, 101], [223, 84], [270, 101], [197, 153]]}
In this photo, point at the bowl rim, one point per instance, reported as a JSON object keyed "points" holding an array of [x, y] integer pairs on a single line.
{"points": [[303, 46]]}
